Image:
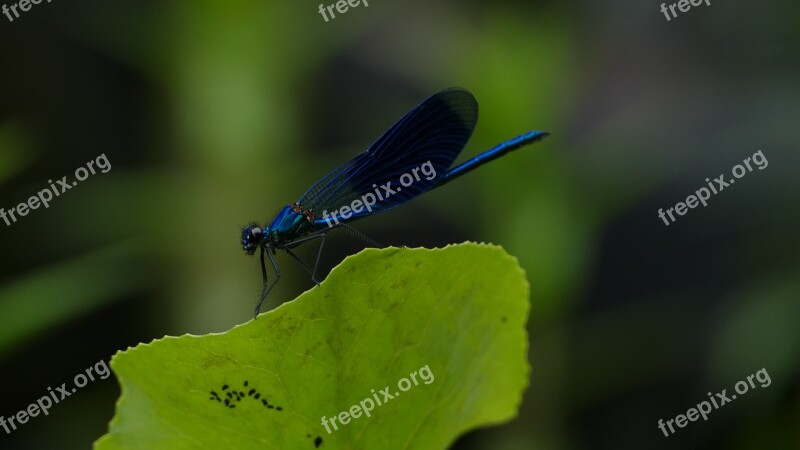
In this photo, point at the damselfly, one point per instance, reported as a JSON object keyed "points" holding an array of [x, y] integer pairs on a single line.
{"points": [[427, 139]]}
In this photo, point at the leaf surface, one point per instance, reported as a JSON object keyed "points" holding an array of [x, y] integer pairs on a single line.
{"points": [[442, 329]]}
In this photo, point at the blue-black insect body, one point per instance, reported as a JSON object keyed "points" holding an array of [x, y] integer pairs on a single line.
{"points": [[393, 170]]}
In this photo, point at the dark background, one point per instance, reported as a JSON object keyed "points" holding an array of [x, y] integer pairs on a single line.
{"points": [[215, 114]]}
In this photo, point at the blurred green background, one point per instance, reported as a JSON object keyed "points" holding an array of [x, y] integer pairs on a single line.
{"points": [[216, 114]]}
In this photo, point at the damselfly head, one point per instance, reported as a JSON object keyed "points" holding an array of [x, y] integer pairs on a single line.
{"points": [[251, 238]]}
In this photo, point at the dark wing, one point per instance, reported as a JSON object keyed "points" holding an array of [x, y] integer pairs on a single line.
{"points": [[435, 131]]}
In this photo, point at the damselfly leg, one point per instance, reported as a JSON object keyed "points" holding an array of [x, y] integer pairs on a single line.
{"points": [[266, 287]]}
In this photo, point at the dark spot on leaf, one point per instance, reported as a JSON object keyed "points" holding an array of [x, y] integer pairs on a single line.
{"points": [[279, 408], [317, 442], [227, 402], [504, 319], [270, 406], [252, 391], [257, 396], [232, 406], [264, 401], [224, 386], [245, 382]]}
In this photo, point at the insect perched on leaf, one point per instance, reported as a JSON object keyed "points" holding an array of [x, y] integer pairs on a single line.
{"points": [[428, 139]]}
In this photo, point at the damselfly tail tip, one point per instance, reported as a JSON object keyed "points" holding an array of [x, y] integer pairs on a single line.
{"points": [[535, 136]]}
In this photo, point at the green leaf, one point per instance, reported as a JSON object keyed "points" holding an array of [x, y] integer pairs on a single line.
{"points": [[454, 317]]}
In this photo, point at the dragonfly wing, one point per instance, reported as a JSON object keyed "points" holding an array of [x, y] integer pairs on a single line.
{"points": [[434, 132]]}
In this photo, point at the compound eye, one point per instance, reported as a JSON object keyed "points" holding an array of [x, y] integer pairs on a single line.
{"points": [[256, 232]]}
